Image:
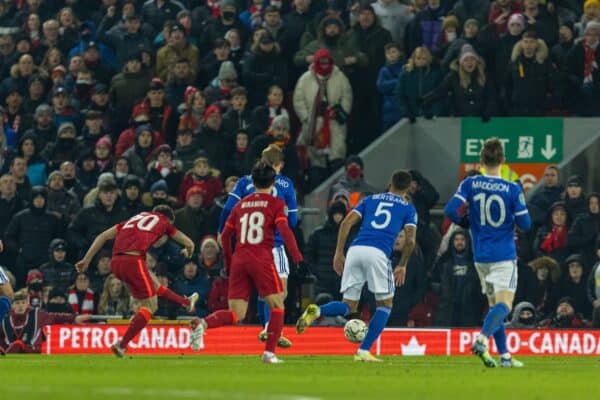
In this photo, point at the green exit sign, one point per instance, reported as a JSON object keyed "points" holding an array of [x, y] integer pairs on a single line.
{"points": [[525, 140]]}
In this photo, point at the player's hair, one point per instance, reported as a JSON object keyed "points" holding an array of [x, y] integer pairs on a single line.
{"points": [[272, 155], [263, 175], [401, 180], [492, 153], [165, 210]]}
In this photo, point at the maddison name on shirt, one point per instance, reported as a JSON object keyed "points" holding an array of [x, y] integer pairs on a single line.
{"points": [[491, 186]]}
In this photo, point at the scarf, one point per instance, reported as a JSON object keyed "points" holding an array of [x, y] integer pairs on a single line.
{"points": [[87, 305], [322, 137], [589, 63], [164, 170], [555, 240]]}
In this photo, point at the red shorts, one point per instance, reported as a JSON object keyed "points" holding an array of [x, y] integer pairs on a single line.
{"points": [[132, 271], [249, 271]]}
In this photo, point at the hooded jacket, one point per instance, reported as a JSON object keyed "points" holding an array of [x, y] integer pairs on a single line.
{"points": [[583, 234], [517, 323]]}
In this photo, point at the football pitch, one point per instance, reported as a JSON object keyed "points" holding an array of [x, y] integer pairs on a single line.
{"points": [[300, 378]]}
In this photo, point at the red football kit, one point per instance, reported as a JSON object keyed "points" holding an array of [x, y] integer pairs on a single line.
{"points": [[254, 221], [137, 234]]}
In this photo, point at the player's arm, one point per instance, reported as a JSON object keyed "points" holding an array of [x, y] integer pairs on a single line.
{"points": [[226, 237], [232, 199], [96, 246], [288, 238], [292, 205], [522, 217], [185, 241], [349, 221], [411, 241], [455, 205]]}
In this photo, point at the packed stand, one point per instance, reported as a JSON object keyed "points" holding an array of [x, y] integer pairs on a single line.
{"points": [[110, 108]]}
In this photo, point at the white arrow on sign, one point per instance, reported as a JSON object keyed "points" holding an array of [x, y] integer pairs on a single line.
{"points": [[548, 151]]}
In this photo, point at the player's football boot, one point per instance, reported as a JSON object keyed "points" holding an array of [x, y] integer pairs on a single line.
{"points": [[193, 298], [283, 342], [480, 349], [510, 363], [198, 328], [118, 350], [271, 359], [2, 352], [311, 313], [366, 356]]}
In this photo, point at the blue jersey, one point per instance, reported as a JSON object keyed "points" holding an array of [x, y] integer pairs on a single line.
{"points": [[495, 206], [283, 189], [383, 215]]}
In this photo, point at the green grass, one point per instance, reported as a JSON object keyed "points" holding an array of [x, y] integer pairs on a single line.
{"points": [[300, 378]]}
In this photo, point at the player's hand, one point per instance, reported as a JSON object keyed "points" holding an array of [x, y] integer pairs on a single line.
{"points": [[338, 263], [80, 319], [82, 266], [219, 240], [187, 252], [399, 275]]}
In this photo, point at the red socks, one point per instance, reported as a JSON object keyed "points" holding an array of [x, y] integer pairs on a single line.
{"points": [[274, 329], [170, 295], [220, 318], [138, 322]]}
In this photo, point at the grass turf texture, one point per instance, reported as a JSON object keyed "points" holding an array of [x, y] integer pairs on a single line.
{"points": [[300, 378]]}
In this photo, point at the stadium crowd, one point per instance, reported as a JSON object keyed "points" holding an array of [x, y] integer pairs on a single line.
{"points": [[111, 107]]}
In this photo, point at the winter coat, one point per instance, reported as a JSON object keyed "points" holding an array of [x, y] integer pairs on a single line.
{"points": [[339, 93], [59, 275], [167, 56], [194, 223], [541, 201], [262, 70], [127, 140], [586, 101], [477, 9], [515, 323], [173, 179], [199, 284], [125, 90], [319, 255], [387, 82], [529, 82], [156, 16], [503, 49], [394, 17], [425, 29], [215, 144], [124, 44], [582, 237], [211, 184], [64, 203], [577, 292], [187, 155], [413, 85], [234, 121]]}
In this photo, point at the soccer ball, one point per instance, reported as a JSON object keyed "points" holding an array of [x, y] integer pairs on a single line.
{"points": [[355, 330]]}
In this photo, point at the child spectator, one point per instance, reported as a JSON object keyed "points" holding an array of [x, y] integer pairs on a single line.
{"points": [[387, 83]]}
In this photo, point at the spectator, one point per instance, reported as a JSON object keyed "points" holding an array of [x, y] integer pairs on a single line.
{"points": [[211, 63], [162, 116], [10, 204], [524, 316], [419, 77], [413, 290], [294, 25], [501, 12], [551, 239], [320, 249], [124, 42], [193, 280], [57, 303], [263, 115], [476, 9], [81, 297], [103, 153], [584, 231], [18, 170], [322, 101], [593, 288], [29, 233], [193, 218], [61, 201], [461, 300], [64, 149], [238, 116], [114, 299], [31, 320], [132, 196], [353, 181], [549, 193], [426, 28], [565, 317], [138, 155], [126, 88], [191, 111], [591, 13], [559, 57], [70, 181], [156, 12], [387, 84], [218, 92], [36, 166], [43, 130], [574, 286], [541, 21], [185, 150], [264, 67], [201, 175], [575, 199], [164, 167], [208, 258], [469, 37], [469, 89], [96, 218], [530, 79], [100, 272], [226, 19], [277, 135], [57, 272], [238, 163], [583, 63], [158, 195], [212, 138], [178, 81], [92, 130], [139, 116]]}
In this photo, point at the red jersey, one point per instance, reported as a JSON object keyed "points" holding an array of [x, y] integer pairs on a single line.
{"points": [[139, 232], [255, 219]]}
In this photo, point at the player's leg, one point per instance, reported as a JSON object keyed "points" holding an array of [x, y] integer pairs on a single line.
{"points": [[353, 279], [162, 291], [274, 328], [147, 307], [506, 359]]}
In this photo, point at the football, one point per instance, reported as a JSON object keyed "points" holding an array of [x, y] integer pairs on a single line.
{"points": [[355, 330]]}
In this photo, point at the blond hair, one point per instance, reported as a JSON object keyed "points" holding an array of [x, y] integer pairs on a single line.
{"points": [[419, 51]]}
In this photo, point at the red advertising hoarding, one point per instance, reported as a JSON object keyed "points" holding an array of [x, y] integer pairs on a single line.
{"points": [[174, 339]]}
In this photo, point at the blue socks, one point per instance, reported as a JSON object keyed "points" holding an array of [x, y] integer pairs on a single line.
{"points": [[4, 307], [335, 308], [264, 312], [378, 322], [494, 319], [500, 339]]}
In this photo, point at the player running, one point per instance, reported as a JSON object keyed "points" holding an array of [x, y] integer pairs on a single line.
{"points": [[284, 190], [6, 294], [133, 238], [494, 206], [383, 216], [253, 222]]}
